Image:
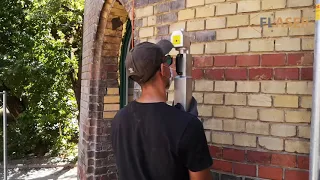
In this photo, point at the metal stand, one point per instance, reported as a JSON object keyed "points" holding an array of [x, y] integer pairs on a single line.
{"points": [[315, 121], [5, 168], [183, 80]]}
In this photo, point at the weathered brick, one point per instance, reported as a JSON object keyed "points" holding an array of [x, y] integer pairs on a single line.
{"points": [[307, 29], [192, 3], [258, 157], [309, 14], [306, 73], [286, 101], [224, 34], [235, 99], [203, 85], [298, 116], [215, 47], [163, 30], [197, 74], [248, 60], [177, 26], [146, 32], [284, 160], [205, 11], [208, 136], [222, 166], [224, 61], [250, 32], [297, 3], [260, 74], [222, 138], [213, 1], [111, 99], [296, 175], [152, 20], [109, 115], [245, 140], [246, 113], [269, 172], [214, 74], [236, 74], [300, 87], [288, 13], [306, 102], [233, 154], [275, 31], [186, 14], [237, 46], [224, 86], [307, 43], [259, 100], [304, 132], [244, 169], [264, 45], [273, 4], [197, 48], [205, 110], [194, 25], [144, 12], [273, 60], [216, 23], [283, 130], [213, 98], [296, 146], [223, 112], [167, 18], [178, 5], [271, 115], [205, 36], [161, 8], [203, 61], [270, 143], [212, 124], [286, 74], [234, 125], [248, 6], [257, 128], [276, 87], [112, 91], [255, 18], [295, 59], [303, 162], [237, 20], [247, 86], [198, 96], [226, 8], [111, 107]]}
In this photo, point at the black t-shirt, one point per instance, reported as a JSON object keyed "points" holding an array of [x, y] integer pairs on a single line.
{"points": [[155, 141]]}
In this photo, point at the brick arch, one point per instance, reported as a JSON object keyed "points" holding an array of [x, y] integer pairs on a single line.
{"points": [[103, 25]]}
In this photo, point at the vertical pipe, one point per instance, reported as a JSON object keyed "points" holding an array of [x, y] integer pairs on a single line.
{"points": [[315, 124], [5, 169]]}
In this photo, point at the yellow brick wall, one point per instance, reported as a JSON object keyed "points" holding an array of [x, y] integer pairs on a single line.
{"points": [[271, 114]]}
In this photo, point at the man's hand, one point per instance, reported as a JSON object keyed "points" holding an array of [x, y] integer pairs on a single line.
{"points": [[193, 107]]}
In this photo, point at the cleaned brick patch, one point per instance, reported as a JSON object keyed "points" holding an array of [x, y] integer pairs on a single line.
{"points": [[244, 169], [283, 160], [296, 175], [234, 155], [222, 165], [248, 60], [224, 61], [273, 60], [259, 157]]}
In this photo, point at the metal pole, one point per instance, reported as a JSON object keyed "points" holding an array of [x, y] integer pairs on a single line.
{"points": [[5, 169], [315, 124]]}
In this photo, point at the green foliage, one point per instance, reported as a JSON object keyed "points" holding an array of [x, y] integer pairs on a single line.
{"points": [[40, 51]]}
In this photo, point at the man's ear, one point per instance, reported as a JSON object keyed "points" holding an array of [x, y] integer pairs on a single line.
{"points": [[162, 70]]}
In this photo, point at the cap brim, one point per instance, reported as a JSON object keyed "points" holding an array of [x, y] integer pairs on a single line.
{"points": [[165, 45]]}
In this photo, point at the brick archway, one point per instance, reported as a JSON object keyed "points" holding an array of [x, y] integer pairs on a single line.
{"points": [[103, 25]]}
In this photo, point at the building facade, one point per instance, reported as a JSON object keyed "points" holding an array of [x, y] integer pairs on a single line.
{"points": [[252, 71]]}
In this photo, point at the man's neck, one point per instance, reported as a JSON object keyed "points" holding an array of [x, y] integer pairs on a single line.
{"points": [[152, 95]]}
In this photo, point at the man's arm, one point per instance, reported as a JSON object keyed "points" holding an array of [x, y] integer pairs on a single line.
{"points": [[194, 151]]}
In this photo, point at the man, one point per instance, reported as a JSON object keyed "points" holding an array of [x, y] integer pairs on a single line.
{"points": [[152, 140]]}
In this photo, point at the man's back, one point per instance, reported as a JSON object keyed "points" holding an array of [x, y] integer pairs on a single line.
{"points": [[154, 141]]}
